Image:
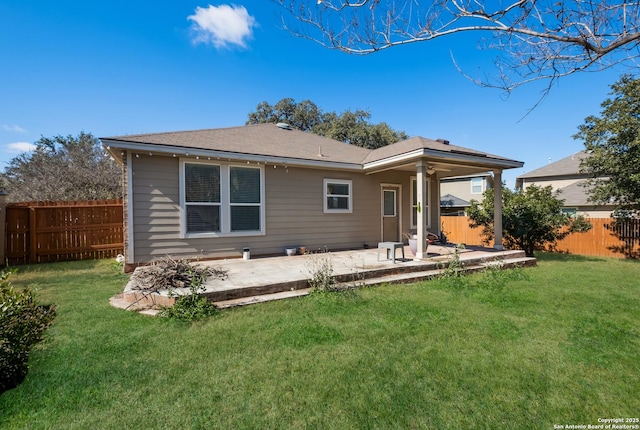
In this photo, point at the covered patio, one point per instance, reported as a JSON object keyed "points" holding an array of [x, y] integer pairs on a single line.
{"points": [[431, 161]]}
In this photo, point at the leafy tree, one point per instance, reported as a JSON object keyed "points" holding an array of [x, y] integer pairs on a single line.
{"points": [[349, 127], [63, 168], [303, 116], [531, 218], [355, 129], [613, 143], [533, 40]]}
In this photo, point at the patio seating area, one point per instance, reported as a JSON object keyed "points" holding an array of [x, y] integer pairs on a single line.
{"points": [[272, 278]]}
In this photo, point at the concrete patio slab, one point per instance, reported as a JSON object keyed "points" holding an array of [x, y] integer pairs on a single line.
{"points": [[271, 278]]}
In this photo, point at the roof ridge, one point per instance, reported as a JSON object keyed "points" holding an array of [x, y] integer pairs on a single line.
{"points": [[562, 167], [198, 130]]}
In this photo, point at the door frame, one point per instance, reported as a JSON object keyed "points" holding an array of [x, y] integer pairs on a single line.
{"points": [[398, 189]]}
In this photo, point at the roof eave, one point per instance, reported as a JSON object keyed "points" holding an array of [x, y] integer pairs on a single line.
{"points": [[490, 163], [178, 151]]}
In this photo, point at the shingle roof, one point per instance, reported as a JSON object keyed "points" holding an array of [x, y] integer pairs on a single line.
{"points": [[270, 140], [451, 201], [257, 139], [574, 194], [568, 166]]}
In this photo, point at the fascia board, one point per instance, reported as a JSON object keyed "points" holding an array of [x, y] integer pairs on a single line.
{"points": [[490, 163], [180, 151]]}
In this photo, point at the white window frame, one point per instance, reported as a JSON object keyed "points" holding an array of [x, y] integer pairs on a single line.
{"points": [[326, 195], [225, 202], [414, 184], [476, 179]]}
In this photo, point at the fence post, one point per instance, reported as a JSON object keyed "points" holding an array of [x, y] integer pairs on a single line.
{"points": [[33, 241], [3, 228]]}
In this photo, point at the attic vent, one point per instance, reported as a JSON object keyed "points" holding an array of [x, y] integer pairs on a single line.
{"points": [[443, 141], [283, 125]]}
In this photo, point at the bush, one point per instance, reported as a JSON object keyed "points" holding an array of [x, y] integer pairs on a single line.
{"points": [[191, 307], [22, 325], [320, 267]]}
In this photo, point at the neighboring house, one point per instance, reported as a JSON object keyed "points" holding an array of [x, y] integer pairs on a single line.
{"points": [[564, 175], [457, 192], [212, 193], [451, 205]]}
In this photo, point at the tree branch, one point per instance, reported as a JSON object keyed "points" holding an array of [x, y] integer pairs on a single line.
{"points": [[543, 39]]}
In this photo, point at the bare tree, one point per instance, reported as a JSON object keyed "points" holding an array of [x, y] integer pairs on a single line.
{"points": [[535, 40]]}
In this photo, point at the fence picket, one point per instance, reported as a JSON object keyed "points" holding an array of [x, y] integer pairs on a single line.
{"points": [[39, 232], [607, 238]]}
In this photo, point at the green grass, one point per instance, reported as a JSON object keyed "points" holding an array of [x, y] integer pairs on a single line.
{"points": [[560, 347]]}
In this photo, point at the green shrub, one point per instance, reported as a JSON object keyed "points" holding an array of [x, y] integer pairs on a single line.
{"points": [[190, 307], [22, 325]]}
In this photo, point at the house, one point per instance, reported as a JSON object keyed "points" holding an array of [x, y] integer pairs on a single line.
{"points": [[564, 175], [458, 191], [451, 205], [213, 193]]}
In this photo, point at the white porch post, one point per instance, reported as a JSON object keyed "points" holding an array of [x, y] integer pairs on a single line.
{"points": [[421, 221], [497, 209]]}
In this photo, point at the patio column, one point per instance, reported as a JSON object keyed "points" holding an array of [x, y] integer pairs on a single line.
{"points": [[497, 209], [421, 221]]}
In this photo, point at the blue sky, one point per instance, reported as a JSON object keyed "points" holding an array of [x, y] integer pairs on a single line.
{"points": [[121, 67]]}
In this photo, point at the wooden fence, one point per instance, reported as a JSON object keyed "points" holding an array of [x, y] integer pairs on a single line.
{"points": [[607, 238], [39, 232], [458, 231]]}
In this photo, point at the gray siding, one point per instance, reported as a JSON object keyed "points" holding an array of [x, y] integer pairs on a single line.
{"points": [[293, 205], [461, 188]]}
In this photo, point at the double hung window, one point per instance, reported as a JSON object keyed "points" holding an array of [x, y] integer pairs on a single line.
{"points": [[202, 197], [477, 185], [220, 199], [244, 198]]}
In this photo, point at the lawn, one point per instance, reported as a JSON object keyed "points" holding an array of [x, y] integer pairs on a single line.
{"points": [[559, 346]]}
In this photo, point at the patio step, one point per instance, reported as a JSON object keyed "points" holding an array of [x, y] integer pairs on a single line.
{"points": [[423, 275], [470, 266], [243, 301]]}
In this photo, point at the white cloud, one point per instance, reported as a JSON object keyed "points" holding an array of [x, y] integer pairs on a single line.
{"points": [[222, 25], [13, 127], [21, 147]]}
